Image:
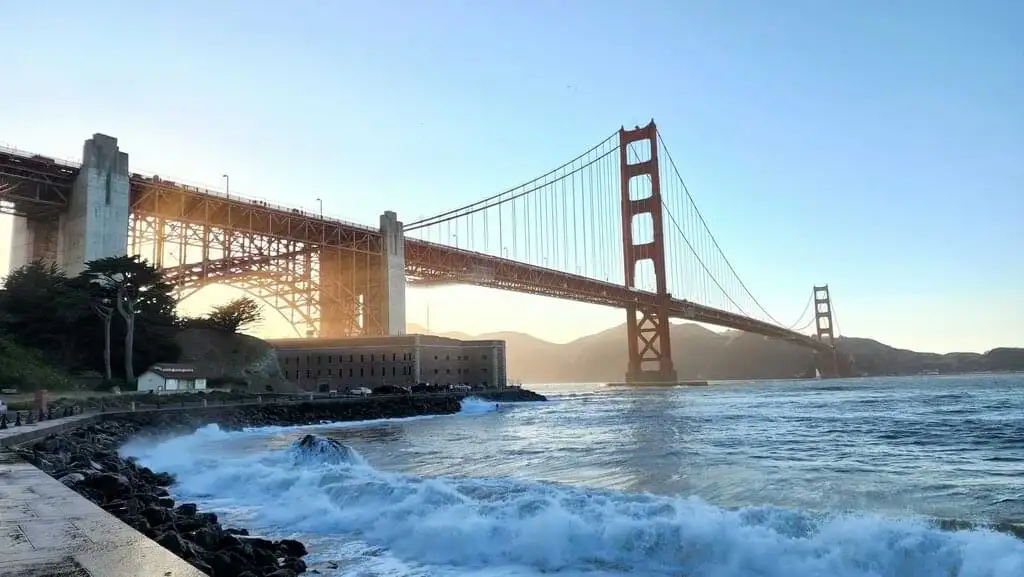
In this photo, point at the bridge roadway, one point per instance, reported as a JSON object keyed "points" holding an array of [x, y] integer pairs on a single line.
{"points": [[426, 262]]}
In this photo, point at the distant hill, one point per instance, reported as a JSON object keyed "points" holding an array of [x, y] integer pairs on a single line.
{"points": [[700, 353]]}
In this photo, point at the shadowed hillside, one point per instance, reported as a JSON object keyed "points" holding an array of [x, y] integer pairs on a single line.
{"points": [[700, 353]]}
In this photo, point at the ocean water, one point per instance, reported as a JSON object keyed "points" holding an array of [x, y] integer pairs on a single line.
{"points": [[845, 478]]}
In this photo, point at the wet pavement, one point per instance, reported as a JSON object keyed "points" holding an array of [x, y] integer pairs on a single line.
{"points": [[46, 529], [24, 433]]}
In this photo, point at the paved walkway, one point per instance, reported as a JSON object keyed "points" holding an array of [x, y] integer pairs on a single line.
{"points": [[48, 530], [25, 433]]}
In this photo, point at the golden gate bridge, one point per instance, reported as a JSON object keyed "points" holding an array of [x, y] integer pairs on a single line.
{"points": [[615, 226]]}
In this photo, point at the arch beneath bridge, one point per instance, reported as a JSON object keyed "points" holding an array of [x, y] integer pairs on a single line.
{"points": [[301, 313], [300, 299]]}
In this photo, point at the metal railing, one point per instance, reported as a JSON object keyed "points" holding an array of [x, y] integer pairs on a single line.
{"points": [[156, 180], [33, 156]]}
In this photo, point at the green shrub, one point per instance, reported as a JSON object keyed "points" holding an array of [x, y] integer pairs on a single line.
{"points": [[29, 370]]}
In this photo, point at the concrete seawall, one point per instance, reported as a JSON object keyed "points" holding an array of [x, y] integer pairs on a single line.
{"points": [[344, 409], [48, 529]]}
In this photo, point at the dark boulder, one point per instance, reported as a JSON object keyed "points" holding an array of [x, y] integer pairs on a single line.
{"points": [[110, 485], [291, 548]]}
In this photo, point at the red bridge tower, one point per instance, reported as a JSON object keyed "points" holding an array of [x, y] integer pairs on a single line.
{"points": [[650, 349], [828, 363]]}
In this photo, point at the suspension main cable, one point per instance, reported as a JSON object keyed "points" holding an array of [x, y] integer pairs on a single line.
{"points": [[806, 325], [807, 307], [461, 212], [687, 240], [443, 215], [675, 169]]}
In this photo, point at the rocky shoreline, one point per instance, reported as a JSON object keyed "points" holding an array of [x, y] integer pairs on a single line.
{"points": [[511, 395], [87, 461]]}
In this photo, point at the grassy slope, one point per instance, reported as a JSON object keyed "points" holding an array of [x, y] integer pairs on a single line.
{"points": [[27, 370]]}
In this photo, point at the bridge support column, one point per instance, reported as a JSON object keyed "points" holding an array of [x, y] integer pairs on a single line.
{"points": [[96, 223], [650, 347], [393, 269]]}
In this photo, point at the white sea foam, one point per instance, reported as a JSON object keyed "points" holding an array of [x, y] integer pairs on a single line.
{"points": [[374, 522]]}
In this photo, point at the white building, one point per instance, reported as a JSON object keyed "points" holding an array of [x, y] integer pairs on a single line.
{"points": [[171, 378]]}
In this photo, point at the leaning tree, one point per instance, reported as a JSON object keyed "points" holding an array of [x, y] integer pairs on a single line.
{"points": [[137, 290]]}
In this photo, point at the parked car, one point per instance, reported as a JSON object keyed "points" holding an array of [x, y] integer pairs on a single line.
{"points": [[360, 391]]}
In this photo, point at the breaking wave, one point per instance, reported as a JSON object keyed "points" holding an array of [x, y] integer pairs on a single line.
{"points": [[361, 520]]}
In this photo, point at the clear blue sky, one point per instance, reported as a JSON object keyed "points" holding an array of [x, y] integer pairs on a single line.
{"points": [[876, 146]]}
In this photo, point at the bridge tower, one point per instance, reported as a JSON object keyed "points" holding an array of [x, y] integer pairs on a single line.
{"points": [[828, 363], [650, 349], [87, 222]]}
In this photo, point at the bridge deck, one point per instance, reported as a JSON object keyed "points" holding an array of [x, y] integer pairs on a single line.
{"points": [[426, 263]]}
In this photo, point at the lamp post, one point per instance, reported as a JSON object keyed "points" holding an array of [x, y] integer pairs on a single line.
{"points": [[321, 208], [227, 185]]}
